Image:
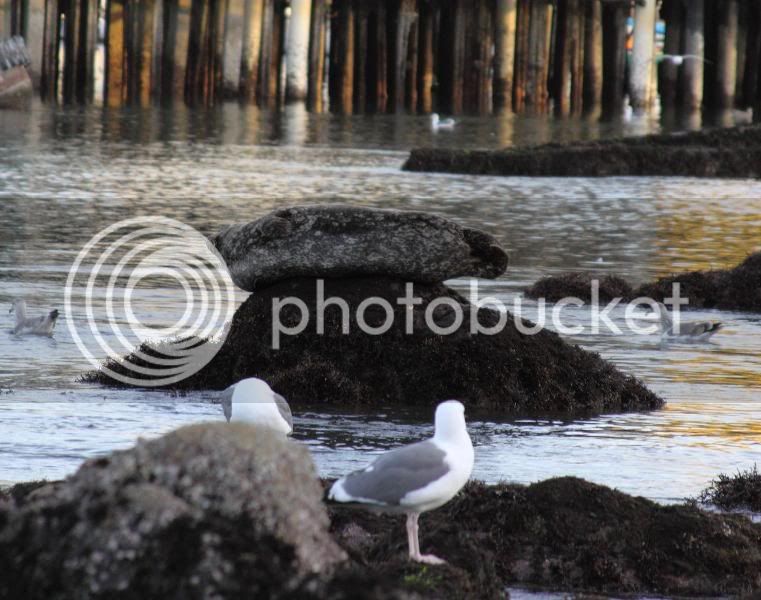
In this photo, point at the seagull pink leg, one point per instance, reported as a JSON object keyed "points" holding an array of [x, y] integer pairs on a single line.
{"points": [[429, 559]]}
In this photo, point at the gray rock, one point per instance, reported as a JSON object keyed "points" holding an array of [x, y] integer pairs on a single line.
{"points": [[343, 241], [208, 511]]}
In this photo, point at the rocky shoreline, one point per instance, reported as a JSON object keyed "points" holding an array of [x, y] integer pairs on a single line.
{"points": [[233, 511], [724, 153], [737, 288]]}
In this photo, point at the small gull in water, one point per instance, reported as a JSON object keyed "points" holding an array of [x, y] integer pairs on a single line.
{"points": [[437, 123], [694, 330], [416, 478], [253, 401], [42, 325]]}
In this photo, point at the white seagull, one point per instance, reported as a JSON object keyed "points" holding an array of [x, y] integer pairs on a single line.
{"points": [[253, 401], [416, 478], [42, 325], [694, 330], [437, 123], [678, 59]]}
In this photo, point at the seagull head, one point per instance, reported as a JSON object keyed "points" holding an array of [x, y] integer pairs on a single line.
{"points": [[434, 118], [255, 402], [450, 420]]}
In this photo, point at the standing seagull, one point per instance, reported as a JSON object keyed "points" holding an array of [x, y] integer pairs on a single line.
{"points": [[415, 478], [253, 401], [695, 330], [43, 325]]}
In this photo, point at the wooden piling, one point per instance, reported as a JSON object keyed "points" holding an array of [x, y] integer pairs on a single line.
{"points": [[265, 92], [146, 15], [568, 61], [614, 56], [233, 47], [404, 17], [115, 84], [668, 71], [49, 69], [694, 43], [537, 95], [520, 72], [317, 47], [425, 57], [641, 93], [297, 51], [592, 78], [252, 40], [726, 60], [478, 76], [71, 41], [752, 56], [342, 57], [361, 16], [504, 55], [411, 68], [377, 59]]}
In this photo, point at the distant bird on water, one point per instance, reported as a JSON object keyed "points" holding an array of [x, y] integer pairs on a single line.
{"points": [[678, 59], [253, 401], [437, 123], [416, 478], [42, 325], [694, 330]]}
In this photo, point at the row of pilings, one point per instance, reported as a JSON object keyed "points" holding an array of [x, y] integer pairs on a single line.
{"points": [[357, 56]]}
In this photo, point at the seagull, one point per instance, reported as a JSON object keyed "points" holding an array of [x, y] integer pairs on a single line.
{"points": [[437, 123], [43, 325], [695, 330], [416, 478], [678, 59], [253, 401]]}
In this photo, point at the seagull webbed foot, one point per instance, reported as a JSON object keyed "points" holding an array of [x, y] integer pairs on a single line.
{"points": [[428, 559]]}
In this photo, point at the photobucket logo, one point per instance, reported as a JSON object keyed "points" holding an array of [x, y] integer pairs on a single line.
{"points": [[637, 322], [108, 322]]}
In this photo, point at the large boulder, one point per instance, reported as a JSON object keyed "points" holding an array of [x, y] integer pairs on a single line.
{"points": [[509, 371], [208, 511], [344, 241]]}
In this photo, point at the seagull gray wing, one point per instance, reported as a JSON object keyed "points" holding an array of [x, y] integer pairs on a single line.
{"points": [[700, 327], [395, 474], [226, 400], [284, 409]]}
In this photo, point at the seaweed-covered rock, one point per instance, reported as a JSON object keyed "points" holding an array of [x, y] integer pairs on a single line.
{"points": [[738, 288], [579, 285], [732, 152], [346, 241], [571, 535], [212, 510], [739, 491], [410, 364]]}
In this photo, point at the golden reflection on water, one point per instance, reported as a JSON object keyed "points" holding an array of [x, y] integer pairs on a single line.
{"points": [[715, 427], [720, 235]]}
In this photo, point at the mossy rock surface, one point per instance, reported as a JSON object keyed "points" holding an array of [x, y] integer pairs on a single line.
{"points": [[509, 372]]}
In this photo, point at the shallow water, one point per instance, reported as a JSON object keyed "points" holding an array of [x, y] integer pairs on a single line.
{"points": [[66, 174]]}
